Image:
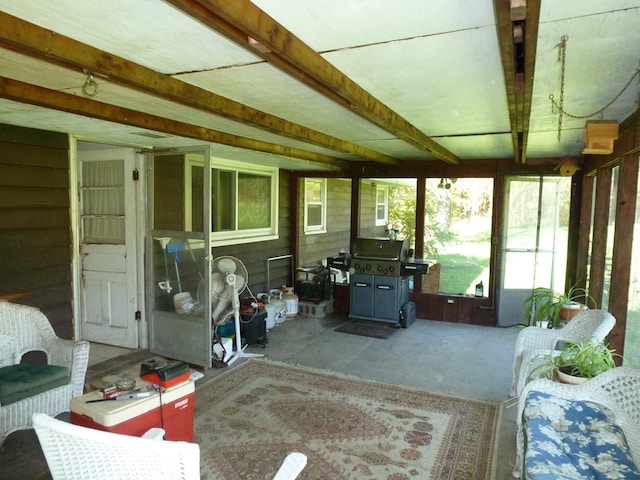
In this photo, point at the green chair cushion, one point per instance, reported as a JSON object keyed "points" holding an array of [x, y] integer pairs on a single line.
{"points": [[28, 379]]}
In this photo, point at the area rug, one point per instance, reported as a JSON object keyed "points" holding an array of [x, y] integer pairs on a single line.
{"points": [[367, 329], [248, 418]]}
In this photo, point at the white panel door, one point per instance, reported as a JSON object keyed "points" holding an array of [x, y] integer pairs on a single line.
{"points": [[108, 257]]}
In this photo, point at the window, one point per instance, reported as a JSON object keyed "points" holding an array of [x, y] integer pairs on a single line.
{"points": [[458, 233], [244, 201], [632, 332], [382, 205], [315, 212], [103, 206]]}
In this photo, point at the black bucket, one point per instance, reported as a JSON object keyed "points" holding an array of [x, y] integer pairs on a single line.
{"points": [[253, 327]]}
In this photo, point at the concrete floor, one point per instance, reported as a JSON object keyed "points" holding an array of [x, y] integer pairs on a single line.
{"points": [[462, 360]]}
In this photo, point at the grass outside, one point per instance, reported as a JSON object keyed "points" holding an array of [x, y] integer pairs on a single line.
{"points": [[465, 263]]}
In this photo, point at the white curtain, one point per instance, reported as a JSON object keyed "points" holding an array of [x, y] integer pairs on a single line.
{"points": [[103, 212]]}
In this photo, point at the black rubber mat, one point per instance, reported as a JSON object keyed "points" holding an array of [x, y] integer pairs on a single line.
{"points": [[367, 329]]}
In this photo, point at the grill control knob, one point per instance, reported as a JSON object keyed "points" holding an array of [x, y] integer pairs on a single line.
{"points": [[367, 266], [392, 268], [379, 268]]}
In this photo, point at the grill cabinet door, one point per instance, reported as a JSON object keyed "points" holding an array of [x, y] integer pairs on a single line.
{"points": [[387, 297], [362, 295]]}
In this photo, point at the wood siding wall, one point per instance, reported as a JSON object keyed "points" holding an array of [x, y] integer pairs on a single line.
{"points": [[169, 215], [35, 225], [168, 211], [315, 247], [368, 226], [255, 255]]}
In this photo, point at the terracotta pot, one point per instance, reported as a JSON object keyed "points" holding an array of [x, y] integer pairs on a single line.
{"points": [[567, 312]]}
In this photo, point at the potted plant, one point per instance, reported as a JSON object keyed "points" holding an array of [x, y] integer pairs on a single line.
{"points": [[576, 363], [556, 308]]}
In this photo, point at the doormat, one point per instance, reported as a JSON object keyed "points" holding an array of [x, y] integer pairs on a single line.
{"points": [[367, 329], [248, 419]]}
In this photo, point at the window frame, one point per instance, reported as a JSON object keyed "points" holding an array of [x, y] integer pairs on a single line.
{"points": [[235, 236], [380, 221], [322, 227]]}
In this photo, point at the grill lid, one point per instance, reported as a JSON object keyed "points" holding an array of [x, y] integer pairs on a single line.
{"points": [[381, 249]]}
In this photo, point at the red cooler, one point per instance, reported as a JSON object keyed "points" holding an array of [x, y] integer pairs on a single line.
{"points": [[134, 417]]}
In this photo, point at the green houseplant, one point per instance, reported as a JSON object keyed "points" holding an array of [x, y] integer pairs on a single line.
{"points": [[576, 362], [547, 305]]}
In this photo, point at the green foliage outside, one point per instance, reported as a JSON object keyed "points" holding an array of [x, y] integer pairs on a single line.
{"points": [[460, 273], [457, 228]]}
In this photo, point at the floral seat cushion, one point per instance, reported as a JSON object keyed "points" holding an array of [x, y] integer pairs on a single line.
{"points": [[568, 439]]}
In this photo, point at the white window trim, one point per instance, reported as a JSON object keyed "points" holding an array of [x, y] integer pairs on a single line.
{"points": [[234, 237], [316, 229], [385, 220]]}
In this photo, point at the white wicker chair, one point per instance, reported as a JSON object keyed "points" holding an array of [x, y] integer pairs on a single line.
{"points": [[73, 453], [79, 453], [24, 329], [594, 324], [617, 389]]}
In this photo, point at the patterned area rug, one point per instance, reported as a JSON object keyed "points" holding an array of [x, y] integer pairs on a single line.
{"points": [[249, 417]]}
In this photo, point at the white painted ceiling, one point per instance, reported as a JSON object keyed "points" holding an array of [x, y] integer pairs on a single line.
{"points": [[436, 63]]}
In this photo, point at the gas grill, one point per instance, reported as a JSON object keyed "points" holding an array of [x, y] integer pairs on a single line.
{"points": [[379, 287], [383, 256]]}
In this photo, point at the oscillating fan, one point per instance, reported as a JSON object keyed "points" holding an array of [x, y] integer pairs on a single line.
{"points": [[229, 278]]}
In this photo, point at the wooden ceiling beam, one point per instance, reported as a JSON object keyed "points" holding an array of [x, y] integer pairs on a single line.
{"points": [[517, 24], [53, 99], [273, 42], [29, 39]]}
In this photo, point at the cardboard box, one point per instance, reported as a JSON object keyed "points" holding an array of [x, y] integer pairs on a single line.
{"points": [[135, 417]]}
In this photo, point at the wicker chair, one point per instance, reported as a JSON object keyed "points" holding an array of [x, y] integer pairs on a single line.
{"points": [[534, 342], [73, 452], [79, 453], [24, 329], [617, 389]]}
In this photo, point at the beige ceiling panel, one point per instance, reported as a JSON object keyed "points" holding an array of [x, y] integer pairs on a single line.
{"points": [[398, 148], [556, 11], [149, 32], [444, 84], [545, 144], [98, 130], [594, 41], [44, 74], [266, 88], [335, 24], [122, 96], [477, 146]]}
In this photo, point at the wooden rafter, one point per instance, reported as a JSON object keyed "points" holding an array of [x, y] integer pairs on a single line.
{"points": [[30, 39], [517, 24], [244, 23], [45, 97]]}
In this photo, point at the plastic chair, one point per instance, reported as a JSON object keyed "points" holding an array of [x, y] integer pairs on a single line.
{"points": [[24, 329], [533, 341]]}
